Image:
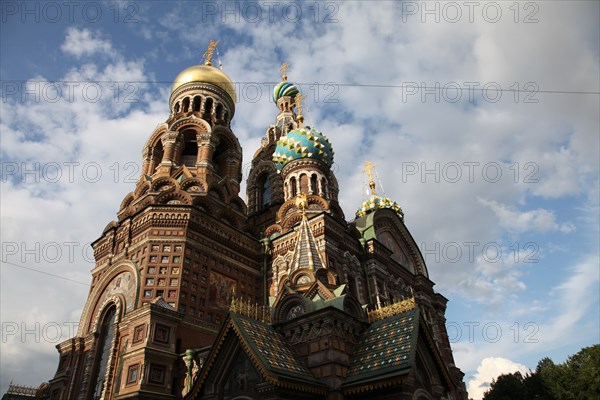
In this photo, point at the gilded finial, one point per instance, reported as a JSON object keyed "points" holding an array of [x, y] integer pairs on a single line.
{"points": [[283, 70], [208, 55], [369, 170], [302, 203], [298, 103]]}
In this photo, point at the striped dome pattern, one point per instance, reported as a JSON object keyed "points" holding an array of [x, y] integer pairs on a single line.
{"points": [[303, 143], [285, 89]]}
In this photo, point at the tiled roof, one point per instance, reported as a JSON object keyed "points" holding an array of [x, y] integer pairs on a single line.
{"points": [[275, 354], [386, 348], [306, 254]]}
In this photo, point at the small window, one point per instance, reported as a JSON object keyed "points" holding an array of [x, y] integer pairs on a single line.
{"points": [[157, 374], [161, 333], [139, 333]]}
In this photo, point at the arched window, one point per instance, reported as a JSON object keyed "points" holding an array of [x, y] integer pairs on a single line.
{"points": [[186, 104], [196, 104], [303, 183], [189, 153], [313, 184], [105, 342], [265, 191], [293, 188]]}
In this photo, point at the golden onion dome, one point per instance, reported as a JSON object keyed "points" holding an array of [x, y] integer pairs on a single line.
{"points": [[208, 74]]}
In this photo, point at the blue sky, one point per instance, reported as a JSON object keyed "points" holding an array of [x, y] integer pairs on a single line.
{"points": [[499, 188]]}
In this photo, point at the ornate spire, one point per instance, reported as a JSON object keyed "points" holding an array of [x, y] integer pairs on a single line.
{"points": [[208, 54], [306, 255]]}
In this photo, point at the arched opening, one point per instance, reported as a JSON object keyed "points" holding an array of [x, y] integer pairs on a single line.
{"points": [[303, 183], [293, 187], [186, 104], [219, 111], [105, 343], [208, 105], [324, 188], [176, 108], [189, 153], [265, 200], [156, 157], [313, 184], [196, 104]]}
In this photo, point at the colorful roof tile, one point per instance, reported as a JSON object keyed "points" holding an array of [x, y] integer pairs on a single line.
{"points": [[387, 348], [300, 143], [306, 255]]}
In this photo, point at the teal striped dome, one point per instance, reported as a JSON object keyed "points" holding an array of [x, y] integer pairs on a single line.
{"points": [[303, 143], [284, 89]]}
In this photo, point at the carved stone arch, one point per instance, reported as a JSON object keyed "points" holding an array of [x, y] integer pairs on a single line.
{"points": [[352, 307], [142, 189], [290, 221], [283, 210], [191, 122], [127, 200], [155, 136], [164, 183], [325, 276], [101, 288], [300, 274], [174, 197], [238, 204], [274, 229], [386, 220], [317, 201], [193, 185], [291, 306]]}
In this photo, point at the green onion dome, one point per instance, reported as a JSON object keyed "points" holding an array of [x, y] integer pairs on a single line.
{"points": [[303, 142], [285, 88], [376, 203]]}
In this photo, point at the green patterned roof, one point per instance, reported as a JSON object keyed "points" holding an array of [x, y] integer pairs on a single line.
{"points": [[276, 356], [386, 348]]}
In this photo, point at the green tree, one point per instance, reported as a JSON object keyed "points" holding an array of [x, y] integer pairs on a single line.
{"points": [[578, 378]]}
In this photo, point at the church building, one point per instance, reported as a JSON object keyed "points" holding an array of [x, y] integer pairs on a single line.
{"points": [[198, 294]]}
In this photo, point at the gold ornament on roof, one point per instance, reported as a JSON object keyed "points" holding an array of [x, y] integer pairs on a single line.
{"points": [[283, 70], [368, 168], [298, 103], [208, 54], [302, 203]]}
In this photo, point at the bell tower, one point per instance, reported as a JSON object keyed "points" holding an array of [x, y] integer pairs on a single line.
{"points": [[167, 268]]}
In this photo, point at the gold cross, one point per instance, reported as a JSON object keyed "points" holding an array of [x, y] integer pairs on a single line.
{"points": [[298, 102], [283, 70], [209, 52], [369, 170]]}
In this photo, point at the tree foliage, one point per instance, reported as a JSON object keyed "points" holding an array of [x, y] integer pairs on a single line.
{"points": [[578, 378]]}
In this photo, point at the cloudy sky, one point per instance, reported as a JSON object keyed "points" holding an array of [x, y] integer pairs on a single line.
{"points": [[482, 119]]}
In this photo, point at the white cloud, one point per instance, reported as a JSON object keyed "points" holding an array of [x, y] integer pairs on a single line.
{"points": [[538, 220], [489, 369], [85, 42]]}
